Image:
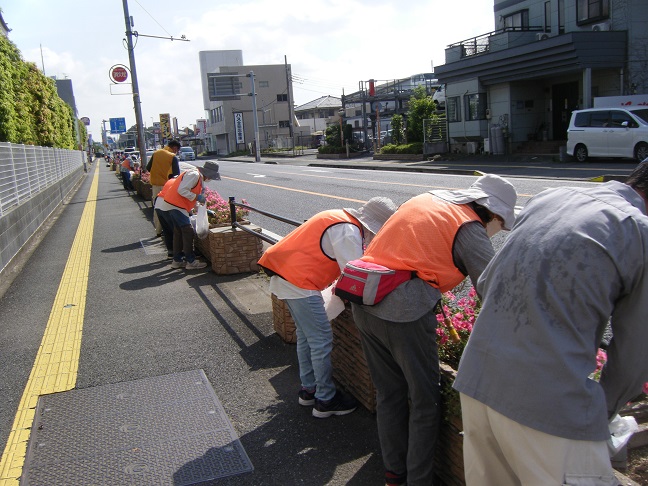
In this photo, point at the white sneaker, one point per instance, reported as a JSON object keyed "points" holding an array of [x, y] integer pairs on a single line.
{"points": [[195, 265], [175, 264]]}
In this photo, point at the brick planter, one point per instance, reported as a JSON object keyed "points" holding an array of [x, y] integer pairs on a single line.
{"points": [[350, 367], [449, 451], [145, 190], [234, 251], [282, 321]]}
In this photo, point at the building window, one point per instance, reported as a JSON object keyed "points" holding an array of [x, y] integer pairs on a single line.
{"points": [[282, 97], [358, 113], [453, 109], [517, 21], [264, 84], [475, 106], [547, 17], [284, 124], [591, 10]]}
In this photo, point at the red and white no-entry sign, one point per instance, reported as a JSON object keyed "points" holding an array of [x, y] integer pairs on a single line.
{"points": [[118, 73]]}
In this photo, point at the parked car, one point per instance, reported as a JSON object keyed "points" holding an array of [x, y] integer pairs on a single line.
{"points": [[186, 153], [608, 132]]}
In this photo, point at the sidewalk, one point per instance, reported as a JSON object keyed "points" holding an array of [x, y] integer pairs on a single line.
{"points": [[144, 319]]}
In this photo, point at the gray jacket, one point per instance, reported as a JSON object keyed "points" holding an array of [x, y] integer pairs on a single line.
{"points": [[575, 259]]}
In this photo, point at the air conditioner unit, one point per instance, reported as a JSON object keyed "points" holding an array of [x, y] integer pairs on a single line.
{"points": [[601, 27], [542, 36]]}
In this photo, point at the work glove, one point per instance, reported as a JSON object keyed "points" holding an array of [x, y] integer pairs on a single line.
{"points": [[200, 198]]}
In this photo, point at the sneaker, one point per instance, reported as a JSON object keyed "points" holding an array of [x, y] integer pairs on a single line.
{"points": [[306, 398], [195, 265], [393, 479], [177, 264], [340, 404]]}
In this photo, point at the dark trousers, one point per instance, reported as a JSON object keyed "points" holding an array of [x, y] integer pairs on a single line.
{"points": [[403, 362]]}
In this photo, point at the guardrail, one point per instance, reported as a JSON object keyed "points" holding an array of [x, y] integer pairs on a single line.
{"points": [[233, 205]]}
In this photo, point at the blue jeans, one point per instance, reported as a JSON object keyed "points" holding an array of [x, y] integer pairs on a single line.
{"points": [[183, 234], [314, 345]]}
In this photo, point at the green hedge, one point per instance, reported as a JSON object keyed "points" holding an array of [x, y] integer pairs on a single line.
{"points": [[31, 111], [331, 149], [407, 148]]}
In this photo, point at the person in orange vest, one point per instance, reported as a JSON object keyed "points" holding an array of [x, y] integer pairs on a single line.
{"points": [[125, 170], [174, 203], [441, 236], [308, 260], [162, 166]]}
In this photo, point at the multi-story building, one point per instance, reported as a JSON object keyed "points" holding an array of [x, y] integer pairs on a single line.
{"points": [[370, 109], [230, 118], [319, 113], [544, 59]]}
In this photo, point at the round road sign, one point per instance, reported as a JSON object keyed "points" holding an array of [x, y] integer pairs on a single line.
{"points": [[118, 74]]}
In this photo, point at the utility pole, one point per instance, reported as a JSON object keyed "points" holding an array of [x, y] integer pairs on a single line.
{"points": [[136, 98], [255, 118], [291, 114]]}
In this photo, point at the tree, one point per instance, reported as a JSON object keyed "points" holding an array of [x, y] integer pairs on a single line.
{"points": [[421, 107], [397, 129]]}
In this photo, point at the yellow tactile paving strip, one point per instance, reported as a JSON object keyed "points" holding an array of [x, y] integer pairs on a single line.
{"points": [[57, 360]]}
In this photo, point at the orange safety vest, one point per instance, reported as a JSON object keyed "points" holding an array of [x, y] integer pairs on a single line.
{"points": [[162, 166], [172, 196], [419, 237], [166, 187], [299, 257], [126, 164]]}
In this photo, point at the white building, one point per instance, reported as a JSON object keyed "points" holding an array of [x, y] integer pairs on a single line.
{"points": [[230, 120]]}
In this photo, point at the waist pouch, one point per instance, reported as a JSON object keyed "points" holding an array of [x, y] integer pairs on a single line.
{"points": [[368, 283]]}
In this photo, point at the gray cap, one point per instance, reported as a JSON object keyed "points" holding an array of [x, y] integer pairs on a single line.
{"points": [[210, 170], [374, 213], [491, 191]]}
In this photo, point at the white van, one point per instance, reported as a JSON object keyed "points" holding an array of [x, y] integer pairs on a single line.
{"points": [[608, 132]]}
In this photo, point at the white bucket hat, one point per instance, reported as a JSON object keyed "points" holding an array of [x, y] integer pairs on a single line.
{"points": [[374, 213], [491, 191]]}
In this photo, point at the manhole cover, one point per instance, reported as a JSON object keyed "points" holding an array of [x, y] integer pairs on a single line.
{"points": [[168, 429]]}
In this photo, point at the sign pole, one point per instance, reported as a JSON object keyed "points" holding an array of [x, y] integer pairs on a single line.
{"points": [[141, 144], [255, 116]]}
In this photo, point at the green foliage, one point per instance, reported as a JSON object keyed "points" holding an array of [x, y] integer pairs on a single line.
{"points": [[31, 111], [408, 148], [331, 149], [332, 135], [421, 107], [397, 129]]}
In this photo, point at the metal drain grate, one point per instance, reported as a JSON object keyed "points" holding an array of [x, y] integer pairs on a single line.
{"points": [[169, 429], [153, 246]]}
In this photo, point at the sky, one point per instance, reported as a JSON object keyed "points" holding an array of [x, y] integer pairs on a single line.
{"points": [[331, 45]]}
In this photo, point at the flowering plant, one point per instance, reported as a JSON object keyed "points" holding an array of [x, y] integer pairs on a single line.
{"points": [[601, 359], [461, 313], [220, 208], [146, 177]]}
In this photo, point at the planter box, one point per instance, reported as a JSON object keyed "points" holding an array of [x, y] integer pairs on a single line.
{"points": [[136, 185], [234, 251], [449, 451], [282, 321], [204, 245], [350, 367], [145, 190]]}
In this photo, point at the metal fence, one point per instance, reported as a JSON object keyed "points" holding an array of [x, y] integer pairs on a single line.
{"points": [[233, 205], [26, 170]]}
